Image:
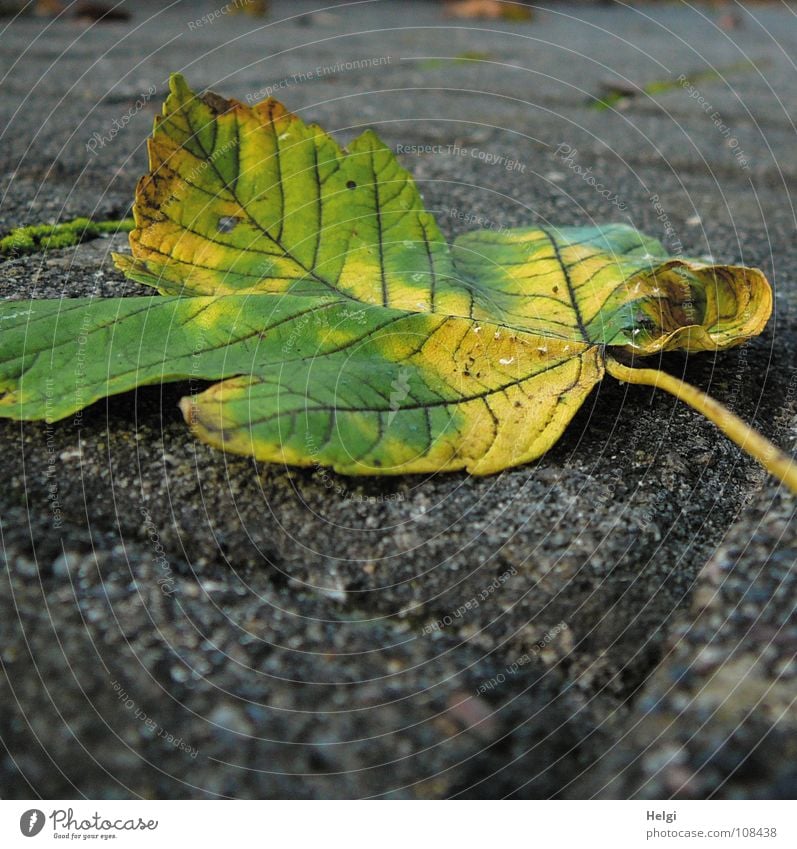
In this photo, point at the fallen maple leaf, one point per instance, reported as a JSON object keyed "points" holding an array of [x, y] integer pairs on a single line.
{"points": [[344, 329]]}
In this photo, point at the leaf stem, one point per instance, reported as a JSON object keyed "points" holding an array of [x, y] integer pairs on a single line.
{"points": [[747, 438]]}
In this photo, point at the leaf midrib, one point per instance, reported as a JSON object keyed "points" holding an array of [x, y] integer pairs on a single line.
{"points": [[582, 329]]}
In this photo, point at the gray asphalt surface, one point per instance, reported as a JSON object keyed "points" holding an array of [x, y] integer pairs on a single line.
{"points": [[634, 634]]}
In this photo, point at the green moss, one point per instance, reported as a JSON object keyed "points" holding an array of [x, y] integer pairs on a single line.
{"points": [[43, 237], [18, 242], [611, 97]]}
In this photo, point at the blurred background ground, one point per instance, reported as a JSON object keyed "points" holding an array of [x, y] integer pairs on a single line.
{"points": [[634, 633]]}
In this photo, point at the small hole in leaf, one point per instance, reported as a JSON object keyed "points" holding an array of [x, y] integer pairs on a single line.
{"points": [[227, 223], [351, 185]]}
